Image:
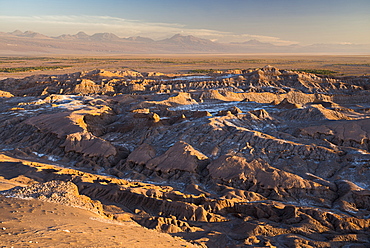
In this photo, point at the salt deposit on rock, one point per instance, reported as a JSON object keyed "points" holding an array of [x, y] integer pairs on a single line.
{"points": [[263, 157]]}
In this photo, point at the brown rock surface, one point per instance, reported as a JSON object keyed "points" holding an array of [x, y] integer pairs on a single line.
{"points": [[244, 158], [181, 156], [5, 94], [357, 131]]}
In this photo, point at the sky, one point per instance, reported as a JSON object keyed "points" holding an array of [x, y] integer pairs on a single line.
{"points": [[281, 22]]}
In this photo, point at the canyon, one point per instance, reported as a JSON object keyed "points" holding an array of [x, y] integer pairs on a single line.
{"points": [[261, 157]]}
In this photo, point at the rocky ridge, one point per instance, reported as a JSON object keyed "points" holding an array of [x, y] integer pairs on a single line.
{"points": [[262, 157]]}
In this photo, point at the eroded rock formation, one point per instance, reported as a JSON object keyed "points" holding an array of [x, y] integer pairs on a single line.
{"points": [[257, 158]]}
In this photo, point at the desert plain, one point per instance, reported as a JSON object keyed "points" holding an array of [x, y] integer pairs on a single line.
{"points": [[185, 151]]}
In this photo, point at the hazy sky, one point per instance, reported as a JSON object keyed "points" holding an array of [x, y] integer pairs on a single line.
{"points": [[276, 21]]}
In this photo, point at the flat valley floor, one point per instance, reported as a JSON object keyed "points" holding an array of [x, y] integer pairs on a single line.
{"points": [[339, 65]]}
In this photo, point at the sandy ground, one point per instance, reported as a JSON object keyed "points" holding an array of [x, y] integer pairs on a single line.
{"points": [[343, 65], [34, 223]]}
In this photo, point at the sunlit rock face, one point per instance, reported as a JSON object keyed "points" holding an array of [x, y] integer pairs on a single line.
{"points": [[263, 157]]}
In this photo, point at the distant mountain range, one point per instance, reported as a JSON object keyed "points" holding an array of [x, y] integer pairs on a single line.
{"points": [[29, 42]]}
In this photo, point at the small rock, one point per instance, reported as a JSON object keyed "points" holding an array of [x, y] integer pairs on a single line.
{"points": [[235, 110]]}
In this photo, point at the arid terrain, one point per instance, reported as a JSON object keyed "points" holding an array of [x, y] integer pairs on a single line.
{"points": [[18, 43], [23, 66], [182, 151]]}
